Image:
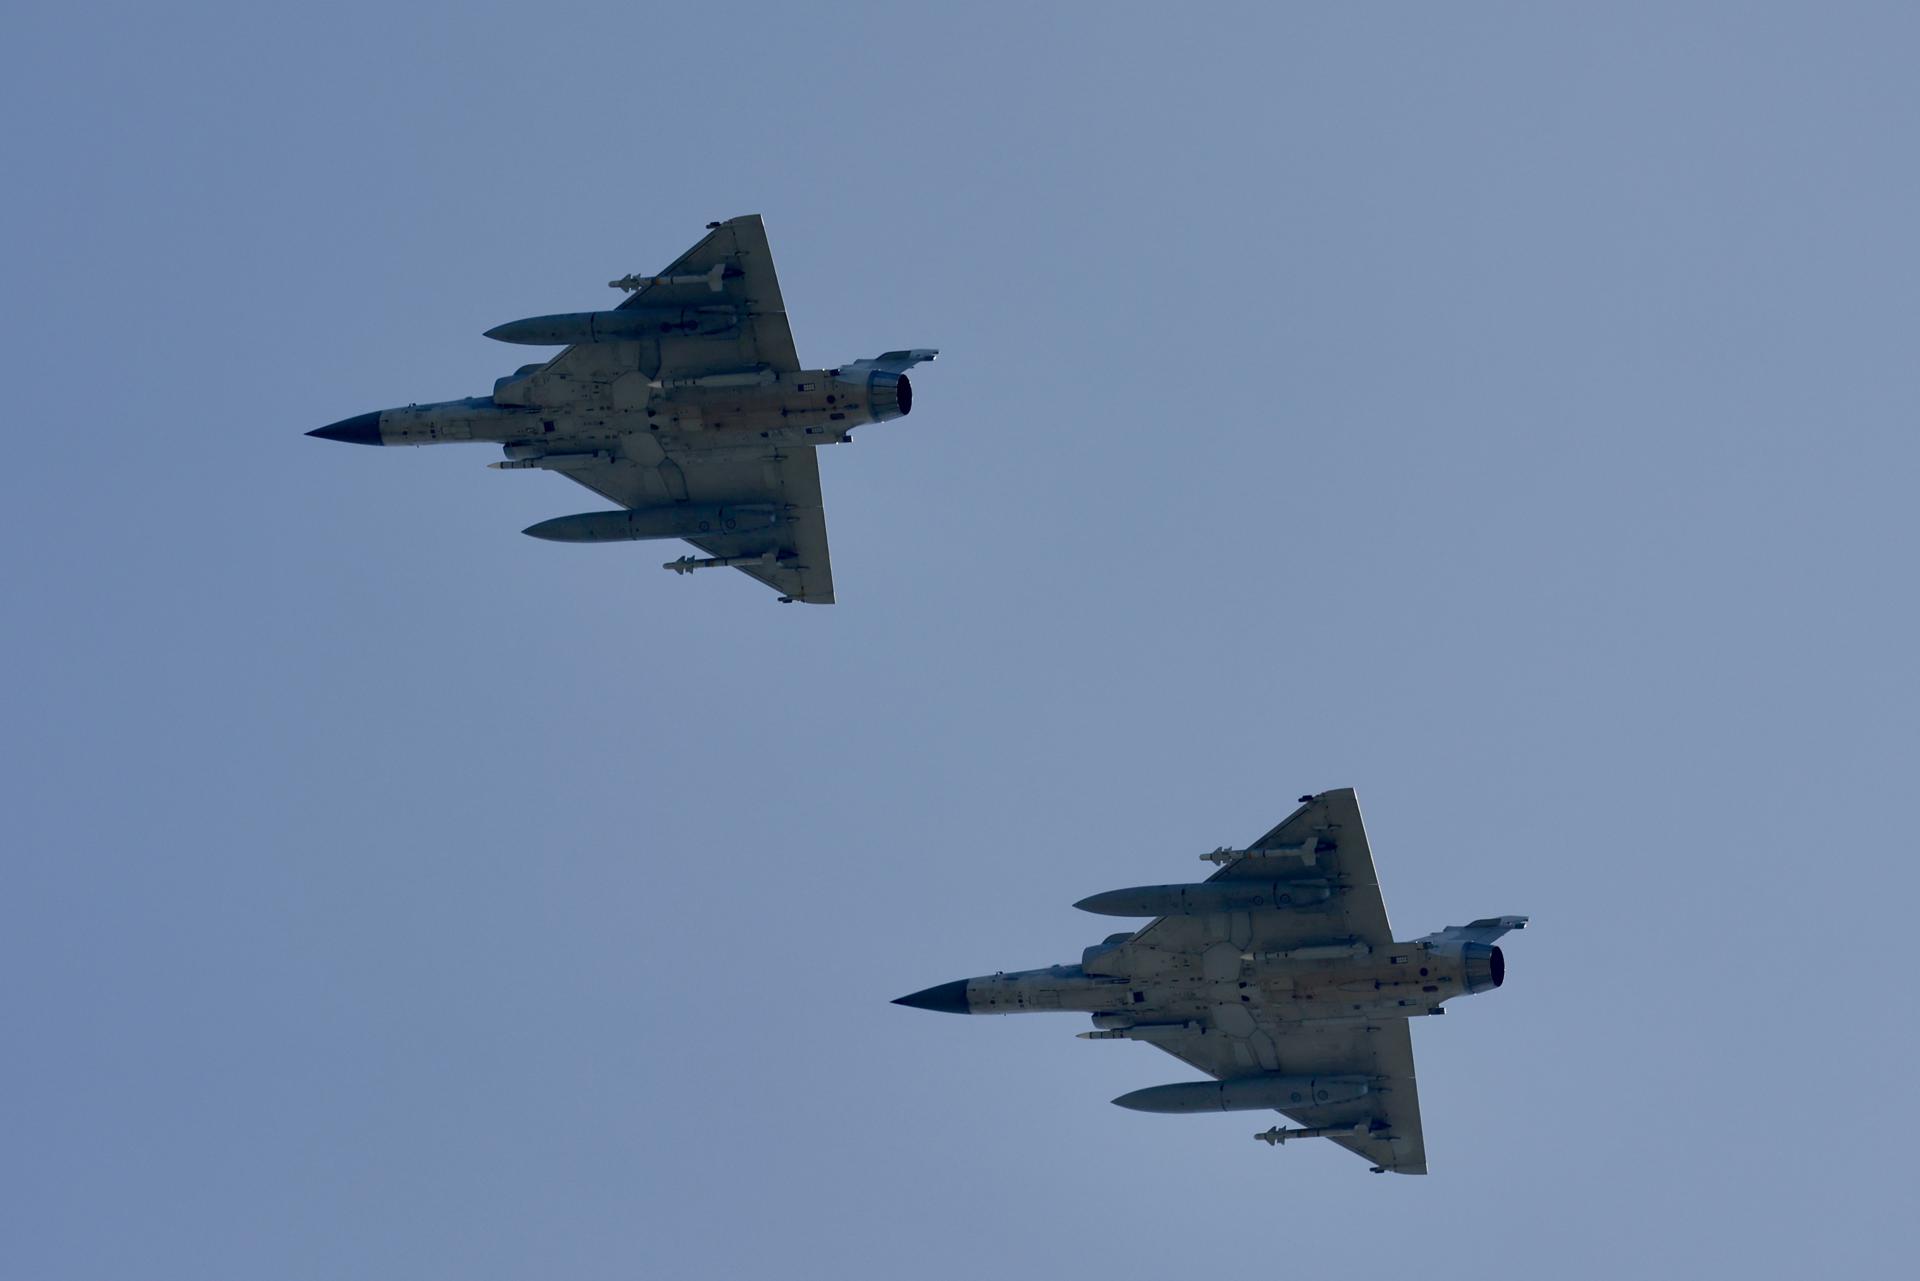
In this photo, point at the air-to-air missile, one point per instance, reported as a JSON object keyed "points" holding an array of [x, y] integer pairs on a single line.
{"points": [[1280, 1134], [714, 278], [687, 564]]}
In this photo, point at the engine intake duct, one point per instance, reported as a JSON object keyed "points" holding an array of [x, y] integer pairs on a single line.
{"points": [[1486, 966]]}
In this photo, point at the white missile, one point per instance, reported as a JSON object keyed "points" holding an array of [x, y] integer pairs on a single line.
{"points": [[1301, 852], [1139, 1031], [758, 376], [711, 279], [687, 564], [552, 462], [1281, 1134]]}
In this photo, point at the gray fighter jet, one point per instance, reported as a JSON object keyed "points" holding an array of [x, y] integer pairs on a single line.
{"points": [[687, 406], [1278, 976]]}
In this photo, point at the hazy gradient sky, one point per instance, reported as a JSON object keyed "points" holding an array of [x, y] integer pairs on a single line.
{"points": [[1506, 410]]}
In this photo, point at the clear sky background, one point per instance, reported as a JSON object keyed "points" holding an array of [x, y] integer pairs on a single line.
{"points": [[1506, 410]]}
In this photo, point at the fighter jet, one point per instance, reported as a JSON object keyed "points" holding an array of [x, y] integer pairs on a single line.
{"points": [[687, 406], [1278, 976]]}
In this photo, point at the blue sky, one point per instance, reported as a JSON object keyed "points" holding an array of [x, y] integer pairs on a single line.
{"points": [[1505, 410]]}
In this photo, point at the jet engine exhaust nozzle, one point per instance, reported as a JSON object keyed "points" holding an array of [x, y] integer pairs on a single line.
{"points": [[1486, 967], [892, 396]]}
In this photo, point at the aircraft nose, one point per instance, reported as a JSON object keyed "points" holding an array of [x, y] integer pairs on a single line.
{"points": [[361, 429], [948, 998]]}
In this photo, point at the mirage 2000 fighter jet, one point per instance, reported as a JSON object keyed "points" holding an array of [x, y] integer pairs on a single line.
{"points": [[1278, 976], [687, 406]]}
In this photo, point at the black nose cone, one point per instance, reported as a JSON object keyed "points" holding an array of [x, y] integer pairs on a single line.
{"points": [[362, 429], [948, 998]]}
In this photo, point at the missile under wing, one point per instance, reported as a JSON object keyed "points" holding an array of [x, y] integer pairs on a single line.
{"points": [[687, 406]]}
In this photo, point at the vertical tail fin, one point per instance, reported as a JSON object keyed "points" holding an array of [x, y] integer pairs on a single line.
{"points": [[1484, 930]]}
